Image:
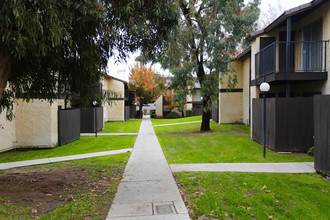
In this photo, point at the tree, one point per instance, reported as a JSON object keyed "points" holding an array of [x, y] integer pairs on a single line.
{"points": [[53, 47], [269, 15], [145, 84], [209, 33], [169, 98]]}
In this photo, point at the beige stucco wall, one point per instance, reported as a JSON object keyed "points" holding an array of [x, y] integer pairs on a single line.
{"points": [[116, 110], [159, 106], [189, 104], [246, 88], [230, 108], [36, 123], [234, 105], [7, 132]]}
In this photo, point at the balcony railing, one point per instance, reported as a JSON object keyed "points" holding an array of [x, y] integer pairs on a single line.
{"points": [[303, 56]]}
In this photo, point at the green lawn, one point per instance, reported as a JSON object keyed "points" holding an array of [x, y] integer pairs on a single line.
{"points": [[212, 195], [89, 198], [131, 126], [177, 120], [81, 146], [225, 143]]}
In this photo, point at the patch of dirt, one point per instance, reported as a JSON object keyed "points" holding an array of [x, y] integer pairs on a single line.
{"points": [[43, 190]]}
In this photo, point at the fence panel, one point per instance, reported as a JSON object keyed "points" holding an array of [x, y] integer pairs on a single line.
{"points": [[294, 124], [322, 133], [215, 112], [197, 111], [68, 125], [87, 123], [289, 123], [127, 113], [257, 129]]}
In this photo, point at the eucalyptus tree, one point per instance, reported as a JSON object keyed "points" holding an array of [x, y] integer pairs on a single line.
{"points": [[209, 33], [62, 46]]}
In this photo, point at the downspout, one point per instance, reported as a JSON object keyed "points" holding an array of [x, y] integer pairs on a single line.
{"points": [[250, 90], [288, 46]]}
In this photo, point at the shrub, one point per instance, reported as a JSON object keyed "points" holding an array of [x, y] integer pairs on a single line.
{"points": [[173, 115], [311, 151], [189, 113], [152, 111], [138, 114], [153, 115]]}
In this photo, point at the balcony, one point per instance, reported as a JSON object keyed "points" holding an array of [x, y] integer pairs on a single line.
{"points": [[291, 61]]}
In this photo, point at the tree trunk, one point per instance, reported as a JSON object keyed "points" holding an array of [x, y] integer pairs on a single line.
{"points": [[5, 65], [206, 116]]}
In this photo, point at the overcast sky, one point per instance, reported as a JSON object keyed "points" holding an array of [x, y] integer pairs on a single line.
{"points": [[121, 70]]}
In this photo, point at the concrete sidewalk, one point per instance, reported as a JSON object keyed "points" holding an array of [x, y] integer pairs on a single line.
{"points": [[181, 123], [148, 189], [306, 167], [109, 134], [25, 163]]}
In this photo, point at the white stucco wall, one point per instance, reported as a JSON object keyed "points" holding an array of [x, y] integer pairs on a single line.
{"points": [[159, 106], [116, 110], [36, 123], [7, 132]]}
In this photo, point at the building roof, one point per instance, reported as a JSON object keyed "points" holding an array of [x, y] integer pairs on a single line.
{"points": [[111, 77], [295, 13], [241, 55]]}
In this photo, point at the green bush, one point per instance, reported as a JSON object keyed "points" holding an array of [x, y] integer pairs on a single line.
{"points": [[173, 115], [311, 151], [153, 115], [152, 111], [138, 114], [189, 113]]}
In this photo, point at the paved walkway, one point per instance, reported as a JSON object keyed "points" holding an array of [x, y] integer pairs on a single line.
{"points": [[182, 123], [148, 189], [306, 167], [109, 134], [5, 166]]}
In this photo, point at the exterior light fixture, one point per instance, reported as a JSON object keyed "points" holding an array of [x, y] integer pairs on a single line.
{"points": [[95, 117], [264, 88]]}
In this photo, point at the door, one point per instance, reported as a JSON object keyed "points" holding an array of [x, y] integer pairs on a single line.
{"points": [[282, 52], [312, 47]]}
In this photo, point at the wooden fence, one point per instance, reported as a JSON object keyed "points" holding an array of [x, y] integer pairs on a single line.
{"points": [[68, 125], [215, 112], [289, 123], [322, 133], [87, 117], [197, 111], [130, 112]]}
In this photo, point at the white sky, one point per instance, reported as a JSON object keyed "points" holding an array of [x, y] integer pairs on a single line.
{"points": [[121, 70]]}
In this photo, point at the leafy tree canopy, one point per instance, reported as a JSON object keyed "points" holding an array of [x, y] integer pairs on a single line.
{"points": [[146, 84], [53, 47], [209, 33]]}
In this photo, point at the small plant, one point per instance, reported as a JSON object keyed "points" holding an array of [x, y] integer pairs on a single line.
{"points": [[173, 115], [152, 111], [153, 115], [145, 111], [138, 114], [189, 113], [310, 152]]}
